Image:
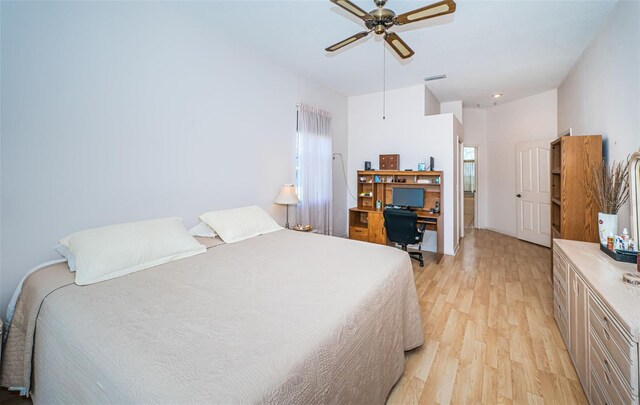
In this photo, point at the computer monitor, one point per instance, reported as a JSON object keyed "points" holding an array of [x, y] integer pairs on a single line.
{"points": [[408, 197]]}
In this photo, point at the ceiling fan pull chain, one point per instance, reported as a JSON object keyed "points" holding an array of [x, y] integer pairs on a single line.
{"points": [[384, 82]]}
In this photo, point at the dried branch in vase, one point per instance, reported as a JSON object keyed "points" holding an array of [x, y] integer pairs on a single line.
{"points": [[609, 186]]}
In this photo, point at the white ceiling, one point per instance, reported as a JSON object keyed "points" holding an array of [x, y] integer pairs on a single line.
{"points": [[515, 47]]}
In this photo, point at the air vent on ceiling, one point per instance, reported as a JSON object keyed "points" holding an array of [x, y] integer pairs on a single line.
{"points": [[436, 77], [487, 104]]}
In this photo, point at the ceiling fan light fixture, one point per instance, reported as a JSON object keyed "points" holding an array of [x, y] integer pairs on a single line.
{"points": [[381, 19]]}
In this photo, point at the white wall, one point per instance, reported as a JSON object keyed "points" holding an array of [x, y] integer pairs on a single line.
{"points": [[408, 132], [475, 134], [454, 107], [431, 103], [496, 131], [527, 119], [115, 112], [458, 201], [601, 93]]}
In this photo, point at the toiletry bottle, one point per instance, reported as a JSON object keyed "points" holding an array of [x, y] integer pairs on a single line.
{"points": [[610, 241], [625, 234]]}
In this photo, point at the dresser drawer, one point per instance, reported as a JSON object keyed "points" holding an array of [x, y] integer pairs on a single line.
{"points": [[621, 350], [597, 395], [612, 382], [560, 266], [358, 233], [562, 320], [560, 292]]}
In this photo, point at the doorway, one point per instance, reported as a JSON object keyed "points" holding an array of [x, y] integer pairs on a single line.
{"points": [[470, 182]]}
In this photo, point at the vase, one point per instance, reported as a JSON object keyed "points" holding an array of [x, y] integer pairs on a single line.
{"points": [[607, 223]]}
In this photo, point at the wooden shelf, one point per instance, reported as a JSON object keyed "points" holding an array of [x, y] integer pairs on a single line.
{"points": [[573, 212], [366, 222], [383, 190]]}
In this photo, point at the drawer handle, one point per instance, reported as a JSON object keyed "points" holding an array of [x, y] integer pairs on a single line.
{"points": [[606, 364], [606, 376], [606, 334]]}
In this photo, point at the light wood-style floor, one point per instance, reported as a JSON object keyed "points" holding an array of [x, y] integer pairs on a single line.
{"points": [[469, 210], [489, 329]]}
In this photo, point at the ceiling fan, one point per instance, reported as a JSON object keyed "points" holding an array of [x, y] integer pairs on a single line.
{"points": [[381, 19]]}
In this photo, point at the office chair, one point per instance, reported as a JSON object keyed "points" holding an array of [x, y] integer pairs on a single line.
{"points": [[402, 228]]}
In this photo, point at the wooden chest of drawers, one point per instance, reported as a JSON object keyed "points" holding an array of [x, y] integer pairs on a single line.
{"points": [[599, 319]]}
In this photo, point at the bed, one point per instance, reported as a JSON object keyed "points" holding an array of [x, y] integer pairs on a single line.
{"points": [[286, 317]]}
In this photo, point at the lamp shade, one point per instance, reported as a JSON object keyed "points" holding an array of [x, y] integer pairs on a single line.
{"points": [[287, 195]]}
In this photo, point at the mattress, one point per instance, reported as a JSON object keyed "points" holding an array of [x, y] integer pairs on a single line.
{"points": [[286, 317]]}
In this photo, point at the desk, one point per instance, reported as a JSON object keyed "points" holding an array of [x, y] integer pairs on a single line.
{"points": [[367, 224]]}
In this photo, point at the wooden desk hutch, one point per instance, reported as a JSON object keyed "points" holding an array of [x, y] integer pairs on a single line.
{"points": [[375, 190]]}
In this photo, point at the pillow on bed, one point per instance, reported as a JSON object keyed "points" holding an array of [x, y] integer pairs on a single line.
{"points": [[66, 253], [203, 230], [239, 224], [113, 251]]}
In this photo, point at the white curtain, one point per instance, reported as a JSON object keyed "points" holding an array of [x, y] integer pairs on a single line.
{"points": [[313, 174], [469, 176]]}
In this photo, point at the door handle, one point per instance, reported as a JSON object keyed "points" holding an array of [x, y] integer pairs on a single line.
{"points": [[518, 195]]}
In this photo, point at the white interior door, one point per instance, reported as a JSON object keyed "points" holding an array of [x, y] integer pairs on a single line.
{"points": [[533, 194]]}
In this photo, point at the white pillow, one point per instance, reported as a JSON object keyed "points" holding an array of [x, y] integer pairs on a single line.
{"points": [[239, 224], [203, 230], [66, 253], [113, 251]]}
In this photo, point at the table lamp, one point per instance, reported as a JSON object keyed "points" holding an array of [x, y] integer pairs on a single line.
{"points": [[287, 197]]}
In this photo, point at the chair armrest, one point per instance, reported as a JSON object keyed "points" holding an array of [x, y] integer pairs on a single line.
{"points": [[421, 230]]}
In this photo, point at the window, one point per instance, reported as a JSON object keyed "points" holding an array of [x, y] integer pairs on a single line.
{"points": [[313, 169]]}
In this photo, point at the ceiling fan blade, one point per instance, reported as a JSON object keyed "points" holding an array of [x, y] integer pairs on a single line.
{"points": [[347, 41], [434, 10], [398, 45], [353, 9]]}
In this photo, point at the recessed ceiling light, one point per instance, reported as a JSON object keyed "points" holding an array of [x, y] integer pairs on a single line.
{"points": [[436, 77], [497, 95]]}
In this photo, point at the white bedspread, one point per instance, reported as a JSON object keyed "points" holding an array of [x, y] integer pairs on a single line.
{"points": [[286, 317]]}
